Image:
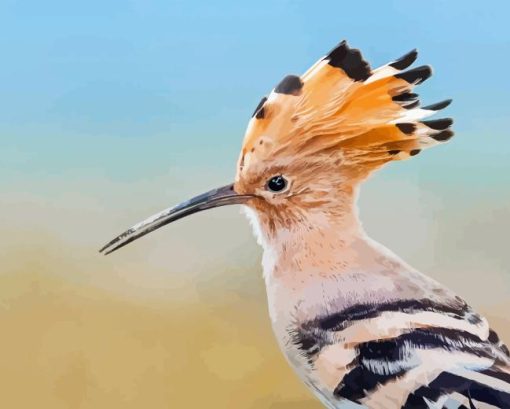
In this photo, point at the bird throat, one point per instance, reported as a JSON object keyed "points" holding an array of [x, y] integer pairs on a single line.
{"points": [[318, 244]]}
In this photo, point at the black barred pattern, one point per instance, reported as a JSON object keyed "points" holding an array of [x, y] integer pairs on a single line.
{"points": [[309, 342], [497, 374], [398, 353], [343, 319], [312, 336], [444, 338], [359, 382], [350, 61], [379, 362], [494, 339], [447, 383]]}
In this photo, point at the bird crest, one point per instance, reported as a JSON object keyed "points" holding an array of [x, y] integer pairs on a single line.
{"points": [[343, 109]]}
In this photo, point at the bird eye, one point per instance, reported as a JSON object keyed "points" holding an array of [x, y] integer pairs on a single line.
{"points": [[276, 184]]}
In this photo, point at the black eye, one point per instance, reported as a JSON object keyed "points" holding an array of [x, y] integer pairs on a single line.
{"points": [[276, 184]]}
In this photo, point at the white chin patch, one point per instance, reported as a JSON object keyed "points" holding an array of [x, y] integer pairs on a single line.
{"points": [[253, 219]]}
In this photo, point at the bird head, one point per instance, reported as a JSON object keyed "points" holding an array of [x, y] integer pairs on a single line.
{"points": [[315, 137], [286, 186]]}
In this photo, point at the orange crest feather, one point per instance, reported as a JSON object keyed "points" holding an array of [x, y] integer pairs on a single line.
{"points": [[340, 106]]}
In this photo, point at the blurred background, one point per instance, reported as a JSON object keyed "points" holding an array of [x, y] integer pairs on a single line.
{"points": [[111, 111]]}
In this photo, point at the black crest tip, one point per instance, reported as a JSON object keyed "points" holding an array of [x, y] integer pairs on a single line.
{"points": [[350, 61], [405, 61], [290, 85], [439, 124], [443, 136], [439, 105], [414, 104], [405, 97], [416, 75], [338, 52], [407, 128], [259, 111]]}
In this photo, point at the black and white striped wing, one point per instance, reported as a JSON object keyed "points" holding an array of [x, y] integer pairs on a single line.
{"points": [[487, 388], [407, 354]]}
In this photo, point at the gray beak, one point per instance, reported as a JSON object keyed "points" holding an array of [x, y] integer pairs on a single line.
{"points": [[222, 196]]}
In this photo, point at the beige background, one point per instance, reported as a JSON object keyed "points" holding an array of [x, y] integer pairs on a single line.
{"points": [[179, 318]]}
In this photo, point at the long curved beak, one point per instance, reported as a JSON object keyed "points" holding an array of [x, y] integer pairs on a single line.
{"points": [[222, 196]]}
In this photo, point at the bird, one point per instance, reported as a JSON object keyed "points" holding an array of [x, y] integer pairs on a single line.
{"points": [[359, 325]]}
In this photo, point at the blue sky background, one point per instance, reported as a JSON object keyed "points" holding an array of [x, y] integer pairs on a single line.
{"points": [[124, 88], [113, 110]]}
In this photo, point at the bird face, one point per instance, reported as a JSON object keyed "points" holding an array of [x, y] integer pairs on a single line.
{"points": [[287, 190]]}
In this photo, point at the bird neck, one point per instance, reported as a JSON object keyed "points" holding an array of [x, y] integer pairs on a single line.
{"points": [[325, 242]]}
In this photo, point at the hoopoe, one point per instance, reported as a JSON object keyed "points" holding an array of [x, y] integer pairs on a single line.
{"points": [[361, 327]]}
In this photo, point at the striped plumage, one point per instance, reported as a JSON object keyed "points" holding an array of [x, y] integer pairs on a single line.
{"points": [[386, 365], [359, 325], [388, 337]]}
